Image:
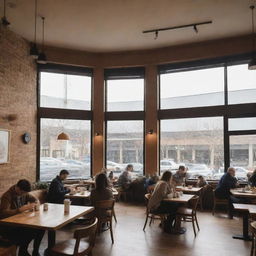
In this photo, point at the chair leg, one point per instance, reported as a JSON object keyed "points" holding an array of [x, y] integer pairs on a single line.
{"points": [[213, 209], [197, 223], [114, 214], [193, 223], [111, 232], [151, 220], [252, 246], [146, 221]]}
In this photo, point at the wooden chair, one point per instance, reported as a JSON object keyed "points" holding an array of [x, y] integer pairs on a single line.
{"points": [[217, 201], [253, 230], [77, 246], [152, 216], [189, 214], [7, 248], [104, 211]]}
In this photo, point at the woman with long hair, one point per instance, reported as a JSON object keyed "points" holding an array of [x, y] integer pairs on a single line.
{"points": [[156, 203]]}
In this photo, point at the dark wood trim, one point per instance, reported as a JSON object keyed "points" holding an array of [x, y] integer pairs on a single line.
{"points": [[125, 115], [65, 69], [242, 132], [231, 111], [38, 129], [204, 63], [57, 113]]}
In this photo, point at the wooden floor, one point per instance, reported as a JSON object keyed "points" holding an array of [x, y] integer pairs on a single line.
{"points": [[214, 239]]}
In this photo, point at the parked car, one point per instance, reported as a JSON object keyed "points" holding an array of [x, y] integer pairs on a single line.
{"points": [[241, 173], [195, 170], [168, 164], [115, 167], [50, 167]]}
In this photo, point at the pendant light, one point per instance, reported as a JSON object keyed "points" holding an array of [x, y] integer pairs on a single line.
{"points": [[42, 57], [63, 136], [4, 20], [252, 63], [33, 47]]}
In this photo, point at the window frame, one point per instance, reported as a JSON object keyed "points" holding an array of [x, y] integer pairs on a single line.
{"points": [[124, 73], [58, 113], [226, 110]]}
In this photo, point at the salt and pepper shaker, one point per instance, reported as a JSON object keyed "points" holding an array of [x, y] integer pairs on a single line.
{"points": [[37, 205], [45, 206], [66, 206]]}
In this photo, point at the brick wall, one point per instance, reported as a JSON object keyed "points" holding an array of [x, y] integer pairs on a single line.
{"points": [[17, 96]]}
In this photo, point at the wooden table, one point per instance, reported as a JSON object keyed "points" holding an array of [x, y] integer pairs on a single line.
{"points": [[193, 190], [240, 193], [245, 209], [50, 220], [86, 194], [182, 199]]}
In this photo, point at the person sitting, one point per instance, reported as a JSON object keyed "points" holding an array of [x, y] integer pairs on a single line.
{"points": [[228, 181], [201, 182], [17, 200], [151, 182], [158, 206], [180, 176], [125, 178], [101, 190], [252, 179], [57, 191]]}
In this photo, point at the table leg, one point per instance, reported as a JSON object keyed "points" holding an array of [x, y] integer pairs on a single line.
{"points": [[51, 241], [245, 236]]}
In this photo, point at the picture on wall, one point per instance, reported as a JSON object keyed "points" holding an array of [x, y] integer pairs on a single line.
{"points": [[4, 146]]}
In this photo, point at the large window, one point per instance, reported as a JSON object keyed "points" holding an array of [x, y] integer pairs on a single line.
{"points": [[241, 84], [243, 154], [124, 89], [125, 95], [65, 107], [65, 91], [72, 155], [196, 143], [125, 119], [125, 146], [196, 88]]}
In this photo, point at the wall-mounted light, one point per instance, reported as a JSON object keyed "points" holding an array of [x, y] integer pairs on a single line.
{"points": [[63, 136], [151, 131]]}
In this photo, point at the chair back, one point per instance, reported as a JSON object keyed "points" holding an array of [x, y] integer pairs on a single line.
{"points": [[193, 203], [104, 206], [88, 231]]}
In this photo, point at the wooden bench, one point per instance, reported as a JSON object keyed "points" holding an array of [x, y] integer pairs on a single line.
{"points": [[40, 194], [7, 249]]}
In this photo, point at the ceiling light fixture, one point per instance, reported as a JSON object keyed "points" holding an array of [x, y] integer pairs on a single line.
{"points": [[42, 57], [252, 63], [193, 25], [63, 136], [33, 47], [4, 20]]}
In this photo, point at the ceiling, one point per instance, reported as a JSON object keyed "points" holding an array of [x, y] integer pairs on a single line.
{"points": [[117, 25]]}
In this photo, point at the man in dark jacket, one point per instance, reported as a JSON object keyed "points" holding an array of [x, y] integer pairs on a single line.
{"points": [[228, 181], [57, 191], [17, 200]]}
